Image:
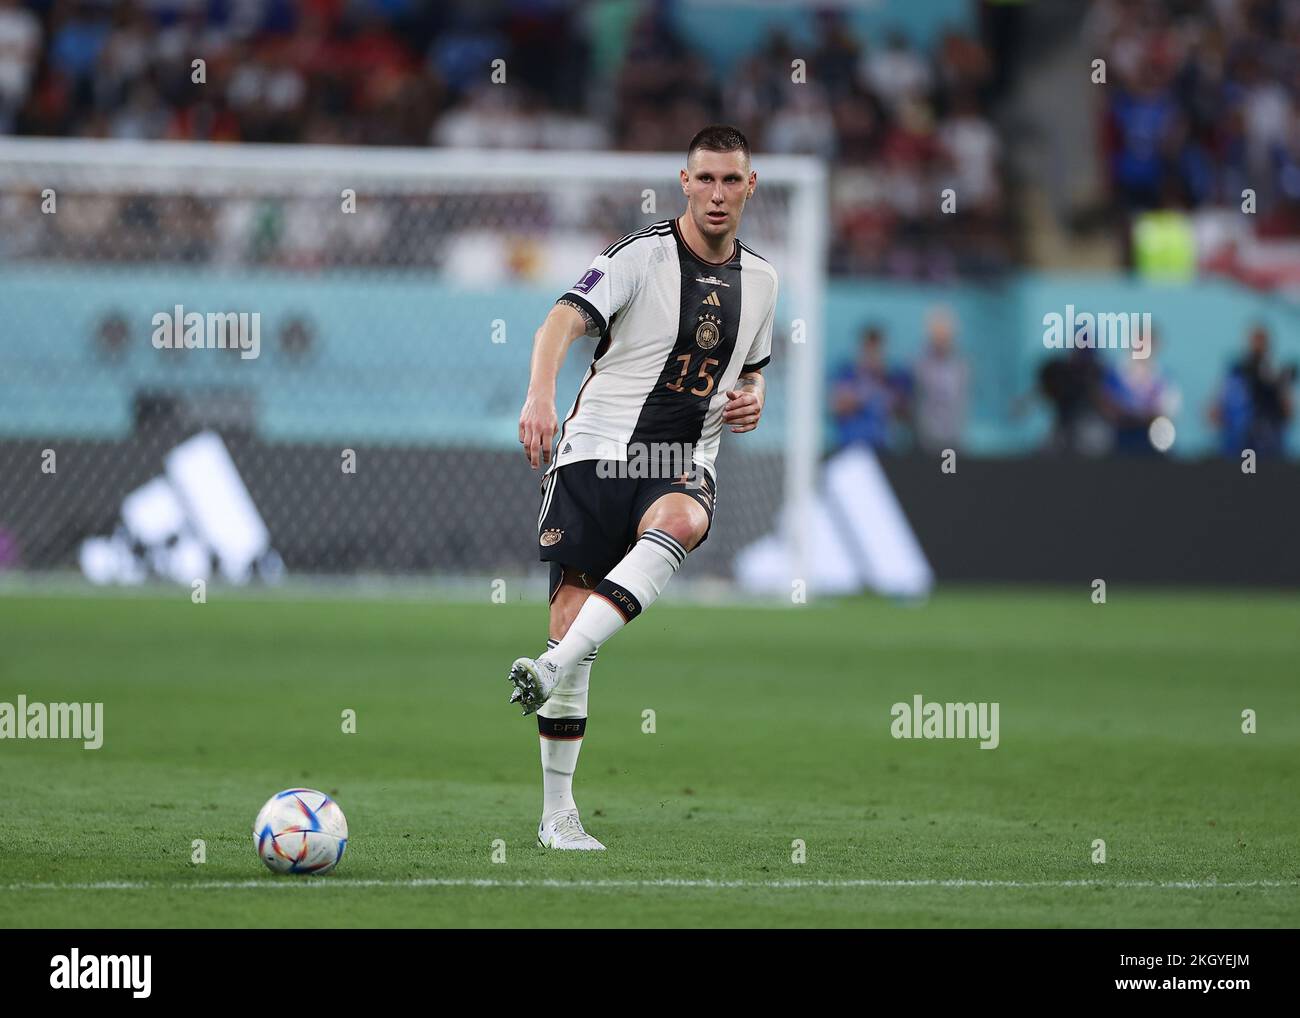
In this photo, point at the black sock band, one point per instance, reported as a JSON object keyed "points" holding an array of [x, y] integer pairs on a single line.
{"points": [[561, 728], [623, 600]]}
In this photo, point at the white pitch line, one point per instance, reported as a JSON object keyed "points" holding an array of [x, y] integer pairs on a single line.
{"points": [[271, 883]]}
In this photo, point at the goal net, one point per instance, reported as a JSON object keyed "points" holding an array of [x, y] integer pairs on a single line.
{"points": [[258, 361]]}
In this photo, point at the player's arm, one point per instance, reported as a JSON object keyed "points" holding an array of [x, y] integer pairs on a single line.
{"points": [[745, 401], [537, 420]]}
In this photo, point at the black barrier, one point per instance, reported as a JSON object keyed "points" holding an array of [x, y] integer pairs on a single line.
{"points": [[407, 509], [1147, 520], [421, 510]]}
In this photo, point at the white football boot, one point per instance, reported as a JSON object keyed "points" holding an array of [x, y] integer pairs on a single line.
{"points": [[564, 831], [534, 682]]}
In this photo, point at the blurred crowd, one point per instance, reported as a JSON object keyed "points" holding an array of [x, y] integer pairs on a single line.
{"points": [[1101, 405], [1126, 405], [1203, 102], [1129, 405], [1256, 402], [899, 124], [895, 407]]}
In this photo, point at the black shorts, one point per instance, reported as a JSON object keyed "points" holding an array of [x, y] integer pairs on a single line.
{"points": [[588, 522]]}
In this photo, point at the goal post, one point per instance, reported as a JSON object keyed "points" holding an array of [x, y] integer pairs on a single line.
{"points": [[394, 294]]}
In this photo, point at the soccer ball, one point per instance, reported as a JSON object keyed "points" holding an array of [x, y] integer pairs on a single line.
{"points": [[300, 831]]}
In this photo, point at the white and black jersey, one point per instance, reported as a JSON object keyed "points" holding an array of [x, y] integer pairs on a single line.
{"points": [[674, 333]]}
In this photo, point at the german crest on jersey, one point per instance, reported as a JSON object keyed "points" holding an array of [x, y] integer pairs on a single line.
{"points": [[707, 333]]}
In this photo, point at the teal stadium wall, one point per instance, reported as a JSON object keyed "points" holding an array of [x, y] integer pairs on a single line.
{"points": [[394, 360], [399, 359]]}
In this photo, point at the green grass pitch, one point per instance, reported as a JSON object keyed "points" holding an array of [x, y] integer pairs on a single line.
{"points": [[1120, 722]]}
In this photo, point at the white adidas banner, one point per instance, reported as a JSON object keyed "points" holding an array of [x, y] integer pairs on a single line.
{"points": [[179, 526], [858, 533]]}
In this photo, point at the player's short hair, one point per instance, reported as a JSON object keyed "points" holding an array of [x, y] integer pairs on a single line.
{"points": [[719, 138]]}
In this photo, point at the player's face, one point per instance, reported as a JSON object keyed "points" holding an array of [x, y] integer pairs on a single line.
{"points": [[717, 185]]}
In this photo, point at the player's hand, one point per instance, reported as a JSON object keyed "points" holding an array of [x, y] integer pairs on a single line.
{"points": [[742, 410], [537, 427]]}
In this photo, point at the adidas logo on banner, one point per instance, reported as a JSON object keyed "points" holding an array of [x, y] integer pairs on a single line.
{"points": [[712, 299]]}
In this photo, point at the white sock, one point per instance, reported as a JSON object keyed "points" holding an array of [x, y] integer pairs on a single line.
{"points": [[630, 588], [561, 724]]}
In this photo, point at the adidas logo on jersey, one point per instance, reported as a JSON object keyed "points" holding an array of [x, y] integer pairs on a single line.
{"points": [[712, 299]]}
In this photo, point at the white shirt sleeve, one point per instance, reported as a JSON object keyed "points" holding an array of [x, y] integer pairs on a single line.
{"points": [[761, 351], [607, 287]]}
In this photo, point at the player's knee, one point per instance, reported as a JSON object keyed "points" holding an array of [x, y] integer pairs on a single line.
{"points": [[687, 528]]}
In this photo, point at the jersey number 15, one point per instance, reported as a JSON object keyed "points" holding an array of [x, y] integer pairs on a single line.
{"points": [[678, 385]]}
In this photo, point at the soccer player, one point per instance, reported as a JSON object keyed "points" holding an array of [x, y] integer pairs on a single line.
{"points": [[683, 315]]}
